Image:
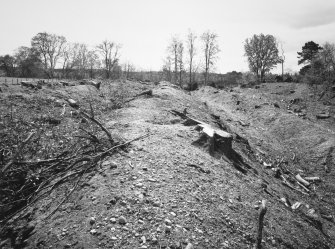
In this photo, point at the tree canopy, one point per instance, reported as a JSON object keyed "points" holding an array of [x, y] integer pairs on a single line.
{"points": [[262, 53], [308, 53]]}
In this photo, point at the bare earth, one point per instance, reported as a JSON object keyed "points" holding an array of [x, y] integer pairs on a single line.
{"points": [[167, 191]]}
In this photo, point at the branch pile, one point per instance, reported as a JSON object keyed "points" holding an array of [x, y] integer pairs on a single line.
{"points": [[27, 175]]}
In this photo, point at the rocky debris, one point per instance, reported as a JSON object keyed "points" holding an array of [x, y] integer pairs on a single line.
{"points": [[92, 221], [189, 246], [122, 220], [74, 104], [111, 164], [112, 220]]}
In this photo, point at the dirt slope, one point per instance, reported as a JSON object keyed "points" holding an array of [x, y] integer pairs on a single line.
{"points": [[167, 192]]}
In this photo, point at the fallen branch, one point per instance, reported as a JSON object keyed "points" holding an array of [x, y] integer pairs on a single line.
{"points": [[302, 186], [302, 180], [313, 178], [286, 183], [148, 92], [262, 213], [207, 171], [84, 114]]}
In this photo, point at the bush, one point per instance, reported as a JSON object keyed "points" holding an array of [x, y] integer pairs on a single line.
{"points": [[248, 79]]}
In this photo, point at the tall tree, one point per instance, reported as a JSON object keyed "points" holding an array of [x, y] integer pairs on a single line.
{"points": [[211, 49], [191, 37], [328, 57], [308, 52], [50, 48], [110, 53], [262, 53]]}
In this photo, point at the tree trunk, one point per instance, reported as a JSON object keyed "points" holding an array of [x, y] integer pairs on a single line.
{"points": [[175, 65], [191, 71]]}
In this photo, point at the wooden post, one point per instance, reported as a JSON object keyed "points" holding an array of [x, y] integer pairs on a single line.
{"points": [[262, 213]]}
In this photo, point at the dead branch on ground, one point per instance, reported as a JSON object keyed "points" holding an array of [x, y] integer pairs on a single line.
{"points": [[262, 213], [199, 168]]}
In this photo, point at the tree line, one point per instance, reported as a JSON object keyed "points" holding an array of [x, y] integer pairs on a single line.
{"points": [[50, 56], [188, 61]]}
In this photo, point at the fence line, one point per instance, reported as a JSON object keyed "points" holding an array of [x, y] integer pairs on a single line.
{"points": [[17, 80]]}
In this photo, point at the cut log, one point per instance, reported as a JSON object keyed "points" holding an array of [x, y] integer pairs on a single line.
{"points": [[148, 92], [322, 116], [90, 82], [31, 84], [95, 84]]}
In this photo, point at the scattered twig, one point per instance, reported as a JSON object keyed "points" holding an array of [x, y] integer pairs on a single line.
{"points": [[18, 151], [66, 197]]}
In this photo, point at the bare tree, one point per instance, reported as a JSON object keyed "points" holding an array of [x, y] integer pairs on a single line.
{"points": [[110, 53], [82, 60], [75, 59], [93, 62], [128, 69], [167, 67], [262, 53], [50, 48], [175, 53], [180, 52], [173, 50], [211, 49], [282, 58], [191, 52]]}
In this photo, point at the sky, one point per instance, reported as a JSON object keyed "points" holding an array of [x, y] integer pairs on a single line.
{"points": [[144, 28]]}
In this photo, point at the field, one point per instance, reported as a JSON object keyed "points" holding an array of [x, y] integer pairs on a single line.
{"points": [[152, 179]]}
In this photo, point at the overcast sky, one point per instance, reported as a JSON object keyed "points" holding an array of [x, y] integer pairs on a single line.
{"points": [[145, 27]]}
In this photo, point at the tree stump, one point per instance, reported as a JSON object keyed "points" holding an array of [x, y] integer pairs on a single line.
{"points": [[214, 140]]}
